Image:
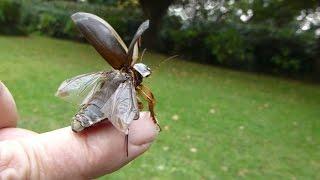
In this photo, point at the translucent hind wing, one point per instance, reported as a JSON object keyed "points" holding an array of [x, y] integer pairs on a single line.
{"points": [[76, 89], [135, 53], [122, 107]]}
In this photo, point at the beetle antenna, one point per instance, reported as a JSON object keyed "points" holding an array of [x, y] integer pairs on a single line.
{"points": [[143, 52], [163, 61]]}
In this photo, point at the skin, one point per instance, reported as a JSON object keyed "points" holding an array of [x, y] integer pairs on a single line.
{"points": [[63, 154]]}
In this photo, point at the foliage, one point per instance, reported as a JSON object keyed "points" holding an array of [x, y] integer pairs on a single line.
{"points": [[269, 42], [53, 18], [216, 123], [229, 47], [255, 45], [104, 2], [10, 17], [154, 10], [252, 47]]}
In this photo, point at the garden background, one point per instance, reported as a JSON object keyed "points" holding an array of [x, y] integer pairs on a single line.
{"points": [[240, 101]]}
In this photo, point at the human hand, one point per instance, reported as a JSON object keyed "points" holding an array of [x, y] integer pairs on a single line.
{"points": [[63, 154]]}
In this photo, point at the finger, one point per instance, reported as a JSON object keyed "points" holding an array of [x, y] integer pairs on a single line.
{"points": [[8, 110], [62, 154], [15, 133]]}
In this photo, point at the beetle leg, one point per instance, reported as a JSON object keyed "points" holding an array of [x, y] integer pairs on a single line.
{"points": [[140, 104], [147, 94]]}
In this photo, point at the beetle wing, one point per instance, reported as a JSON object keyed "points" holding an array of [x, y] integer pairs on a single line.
{"points": [[135, 53], [103, 38], [122, 107], [142, 28], [76, 89]]}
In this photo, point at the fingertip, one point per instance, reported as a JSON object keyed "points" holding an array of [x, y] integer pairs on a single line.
{"points": [[143, 131], [8, 110]]}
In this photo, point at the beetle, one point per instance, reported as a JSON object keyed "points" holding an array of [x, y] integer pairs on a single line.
{"points": [[109, 95]]}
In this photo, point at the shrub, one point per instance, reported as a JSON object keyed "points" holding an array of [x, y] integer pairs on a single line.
{"points": [[252, 46], [230, 47], [53, 18], [10, 17]]}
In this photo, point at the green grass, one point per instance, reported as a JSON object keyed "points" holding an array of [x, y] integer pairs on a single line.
{"points": [[241, 125]]}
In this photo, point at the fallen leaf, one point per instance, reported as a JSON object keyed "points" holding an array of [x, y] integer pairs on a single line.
{"points": [[175, 117], [212, 111], [194, 150], [166, 128], [242, 172], [160, 167], [224, 168]]}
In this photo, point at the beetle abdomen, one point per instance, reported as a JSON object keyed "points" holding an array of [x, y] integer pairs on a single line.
{"points": [[90, 112]]}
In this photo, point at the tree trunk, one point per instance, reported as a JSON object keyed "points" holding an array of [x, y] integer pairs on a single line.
{"points": [[317, 60], [154, 11], [316, 63]]}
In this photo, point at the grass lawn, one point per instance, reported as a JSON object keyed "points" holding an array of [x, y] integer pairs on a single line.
{"points": [[217, 123]]}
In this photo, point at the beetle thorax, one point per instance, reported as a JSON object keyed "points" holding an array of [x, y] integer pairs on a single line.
{"points": [[140, 71]]}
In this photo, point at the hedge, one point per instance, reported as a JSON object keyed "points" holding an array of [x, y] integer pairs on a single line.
{"points": [[53, 18], [254, 47]]}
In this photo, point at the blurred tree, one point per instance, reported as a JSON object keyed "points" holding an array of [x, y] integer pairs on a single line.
{"points": [[296, 6], [154, 10], [317, 61], [271, 35], [280, 14]]}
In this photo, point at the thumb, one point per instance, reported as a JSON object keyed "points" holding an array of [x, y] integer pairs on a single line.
{"points": [[8, 110], [62, 154]]}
